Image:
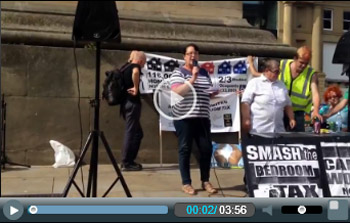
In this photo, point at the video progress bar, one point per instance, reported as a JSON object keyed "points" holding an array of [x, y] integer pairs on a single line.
{"points": [[97, 209]]}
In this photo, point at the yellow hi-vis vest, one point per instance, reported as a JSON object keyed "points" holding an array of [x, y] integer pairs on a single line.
{"points": [[300, 88]]}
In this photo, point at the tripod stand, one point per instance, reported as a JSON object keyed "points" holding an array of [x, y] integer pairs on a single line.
{"points": [[93, 137], [4, 159]]}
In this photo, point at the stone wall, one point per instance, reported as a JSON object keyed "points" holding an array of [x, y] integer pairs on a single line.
{"points": [[41, 95], [39, 79]]}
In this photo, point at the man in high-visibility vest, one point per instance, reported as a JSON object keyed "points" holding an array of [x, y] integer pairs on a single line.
{"points": [[302, 84]]}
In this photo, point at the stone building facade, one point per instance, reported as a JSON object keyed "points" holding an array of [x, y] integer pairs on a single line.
{"points": [[40, 82], [319, 25]]}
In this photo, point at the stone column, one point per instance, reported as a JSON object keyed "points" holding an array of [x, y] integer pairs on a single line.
{"points": [[317, 47], [287, 23], [321, 84]]}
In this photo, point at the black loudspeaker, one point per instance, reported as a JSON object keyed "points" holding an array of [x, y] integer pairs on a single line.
{"points": [[342, 51], [96, 21]]}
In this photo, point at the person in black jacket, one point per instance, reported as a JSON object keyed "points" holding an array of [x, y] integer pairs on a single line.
{"points": [[131, 111]]}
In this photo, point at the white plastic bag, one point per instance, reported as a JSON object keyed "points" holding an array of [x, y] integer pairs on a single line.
{"points": [[64, 157]]}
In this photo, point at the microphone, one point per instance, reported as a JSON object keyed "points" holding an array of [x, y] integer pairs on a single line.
{"points": [[195, 63]]}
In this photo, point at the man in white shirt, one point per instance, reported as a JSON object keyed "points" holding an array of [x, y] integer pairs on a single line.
{"points": [[264, 101]]}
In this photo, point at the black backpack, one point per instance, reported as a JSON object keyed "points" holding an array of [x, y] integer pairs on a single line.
{"points": [[114, 91]]}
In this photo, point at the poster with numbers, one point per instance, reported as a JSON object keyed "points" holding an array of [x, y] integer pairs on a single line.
{"points": [[228, 75]]}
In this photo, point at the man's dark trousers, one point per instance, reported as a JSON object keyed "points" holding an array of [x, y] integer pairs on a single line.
{"points": [[133, 132]]}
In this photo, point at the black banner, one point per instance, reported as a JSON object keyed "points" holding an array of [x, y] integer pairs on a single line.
{"points": [[336, 158], [297, 165]]}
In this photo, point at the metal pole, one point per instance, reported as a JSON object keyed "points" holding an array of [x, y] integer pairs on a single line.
{"points": [[160, 143], [96, 120], [92, 181], [348, 73], [3, 126], [1, 140], [1, 120]]}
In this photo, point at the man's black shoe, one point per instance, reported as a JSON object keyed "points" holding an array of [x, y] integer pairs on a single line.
{"points": [[137, 164], [131, 167]]}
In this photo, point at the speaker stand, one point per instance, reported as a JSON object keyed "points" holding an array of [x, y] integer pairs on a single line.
{"points": [[93, 137]]}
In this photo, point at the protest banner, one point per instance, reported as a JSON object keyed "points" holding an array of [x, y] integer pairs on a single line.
{"points": [[336, 158], [227, 75], [224, 114], [283, 168]]}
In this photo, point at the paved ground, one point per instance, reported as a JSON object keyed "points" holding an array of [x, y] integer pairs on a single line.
{"points": [[153, 181]]}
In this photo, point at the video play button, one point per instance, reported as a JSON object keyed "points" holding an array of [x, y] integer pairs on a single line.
{"points": [[165, 101], [13, 210], [175, 98]]}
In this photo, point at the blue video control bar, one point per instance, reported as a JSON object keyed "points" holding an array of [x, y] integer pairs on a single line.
{"points": [[174, 209], [97, 209]]}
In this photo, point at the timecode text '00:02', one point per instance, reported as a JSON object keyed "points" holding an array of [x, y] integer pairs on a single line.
{"points": [[215, 210]]}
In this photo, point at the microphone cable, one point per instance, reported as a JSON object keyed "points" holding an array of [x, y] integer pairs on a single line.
{"points": [[79, 111], [216, 177]]}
